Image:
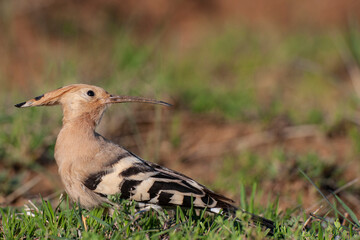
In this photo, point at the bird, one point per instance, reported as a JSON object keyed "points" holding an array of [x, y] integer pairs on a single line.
{"points": [[93, 169]]}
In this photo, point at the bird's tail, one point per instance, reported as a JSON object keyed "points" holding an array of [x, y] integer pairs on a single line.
{"points": [[263, 222], [255, 219], [225, 207]]}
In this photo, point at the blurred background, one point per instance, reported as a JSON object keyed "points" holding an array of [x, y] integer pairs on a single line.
{"points": [[260, 90]]}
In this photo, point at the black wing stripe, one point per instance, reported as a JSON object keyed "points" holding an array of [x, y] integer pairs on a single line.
{"points": [[165, 176], [187, 201], [95, 178], [191, 186], [127, 187], [163, 186], [207, 200], [165, 198], [138, 168]]}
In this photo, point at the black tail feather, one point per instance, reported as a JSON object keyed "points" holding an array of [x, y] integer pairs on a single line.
{"points": [[263, 222], [255, 219]]}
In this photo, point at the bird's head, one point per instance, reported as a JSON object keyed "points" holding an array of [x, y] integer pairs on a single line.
{"points": [[82, 100]]}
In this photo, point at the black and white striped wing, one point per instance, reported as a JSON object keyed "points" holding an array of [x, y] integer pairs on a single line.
{"points": [[136, 179]]}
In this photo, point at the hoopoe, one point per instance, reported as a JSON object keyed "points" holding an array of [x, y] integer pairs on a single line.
{"points": [[93, 168]]}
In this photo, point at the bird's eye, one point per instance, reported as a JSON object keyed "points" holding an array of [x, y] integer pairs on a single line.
{"points": [[90, 93]]}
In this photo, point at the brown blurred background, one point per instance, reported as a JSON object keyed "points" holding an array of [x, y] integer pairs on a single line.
{"points": [[30, 27]]}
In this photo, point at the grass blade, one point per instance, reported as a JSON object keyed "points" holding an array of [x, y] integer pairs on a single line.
{"points": [[348, 210], [105, 224]]}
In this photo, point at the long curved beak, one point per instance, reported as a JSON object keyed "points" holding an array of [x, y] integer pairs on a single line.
{"points": [[123, 99]]}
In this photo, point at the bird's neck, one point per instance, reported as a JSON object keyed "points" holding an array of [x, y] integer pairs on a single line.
{"points": [[85, 122], [75, 115], [77, 140]]}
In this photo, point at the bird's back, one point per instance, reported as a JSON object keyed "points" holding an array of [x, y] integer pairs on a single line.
{"points": [[129, 177], [133, 178]]}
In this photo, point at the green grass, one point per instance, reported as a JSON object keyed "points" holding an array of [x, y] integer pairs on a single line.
{"points": [[65, 222]]}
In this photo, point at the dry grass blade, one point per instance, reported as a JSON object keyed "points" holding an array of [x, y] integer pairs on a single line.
{"points": [[309, 218]]}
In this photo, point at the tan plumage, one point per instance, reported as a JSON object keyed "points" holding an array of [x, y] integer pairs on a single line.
{"points": [[92, 168]]}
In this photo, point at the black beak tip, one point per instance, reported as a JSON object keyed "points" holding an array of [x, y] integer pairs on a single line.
{"points": [[166, 104], [19, 105]]}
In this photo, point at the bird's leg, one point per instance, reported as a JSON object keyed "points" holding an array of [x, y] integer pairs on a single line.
{"points": [[145, 207]]}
